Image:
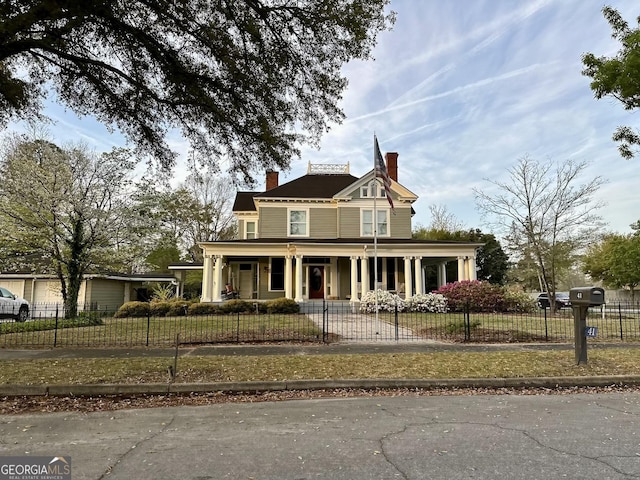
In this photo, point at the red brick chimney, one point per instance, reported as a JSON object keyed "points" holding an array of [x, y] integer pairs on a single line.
{"points": [[272, 179], [392, 164]]}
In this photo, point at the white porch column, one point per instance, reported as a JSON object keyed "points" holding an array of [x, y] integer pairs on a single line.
{"points": [[207, 274], [217, 280], [461, 269], [288, 277], [364, 276], [299, 297], [471, 265], [442, 274], [418, 275], [408, 284], [354, 279]]}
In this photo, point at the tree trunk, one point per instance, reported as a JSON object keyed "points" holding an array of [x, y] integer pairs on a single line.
{"points": [[71, 302], [75, 271]]}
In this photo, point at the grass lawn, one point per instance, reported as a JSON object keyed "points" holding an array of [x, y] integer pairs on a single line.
{"points": [[162, 331], [249, 327], [611, 361]]}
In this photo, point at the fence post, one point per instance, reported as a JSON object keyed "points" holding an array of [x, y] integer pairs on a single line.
{"points": [[237, 327], [620, 318], [396, 318], [467, 323], [546, 325], [148, 323], [55, 332], [325, 321]]}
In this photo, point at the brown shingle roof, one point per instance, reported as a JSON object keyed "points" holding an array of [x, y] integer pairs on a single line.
{"points": [[244, 202], [311, 186]]}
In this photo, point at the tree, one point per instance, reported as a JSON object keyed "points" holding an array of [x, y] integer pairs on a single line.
{"points": [[615, 261], [544, 212], [443, 220], [198, 210], [61, 206], [617, 76], [491, 260], [212, 218], [241, 79]]}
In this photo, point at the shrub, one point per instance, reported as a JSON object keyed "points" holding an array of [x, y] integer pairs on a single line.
{"points": [[203, 309], [479, 296], [50, 324], [518, 301], [237, 306], [282, 305], [162, 292], [90, 318], [387, 302], [159, 308], [178, 307], [133, 309], [427, 302], [172, 308]]}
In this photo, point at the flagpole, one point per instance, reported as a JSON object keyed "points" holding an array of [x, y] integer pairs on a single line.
{"points": [[380, 171], [375, 229]]}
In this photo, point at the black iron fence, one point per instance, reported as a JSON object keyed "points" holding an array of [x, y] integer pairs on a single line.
{"points": [[317, 322]]}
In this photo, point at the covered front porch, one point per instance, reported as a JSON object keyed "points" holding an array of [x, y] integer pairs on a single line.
{"points": [[332, 270]]}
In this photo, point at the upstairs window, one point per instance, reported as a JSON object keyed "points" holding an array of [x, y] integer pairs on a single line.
{"points": [[251, 230], [298, 223], [367, 223]]}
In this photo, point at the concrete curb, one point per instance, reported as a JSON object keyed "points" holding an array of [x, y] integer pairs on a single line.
{"points": [[96, 390]]}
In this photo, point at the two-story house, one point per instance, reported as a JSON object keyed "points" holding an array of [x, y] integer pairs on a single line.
{"points": [[314, 237]]}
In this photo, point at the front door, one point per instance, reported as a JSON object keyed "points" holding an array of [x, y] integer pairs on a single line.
{"points": [[316, 282]]}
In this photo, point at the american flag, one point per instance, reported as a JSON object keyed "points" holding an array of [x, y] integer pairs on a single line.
{"points": [[381, 172]]}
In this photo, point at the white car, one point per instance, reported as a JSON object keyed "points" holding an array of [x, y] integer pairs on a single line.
{"points": [[12, 306]]}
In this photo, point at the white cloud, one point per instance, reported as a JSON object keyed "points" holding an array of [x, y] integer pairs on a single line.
{"points": [[462, 90]]}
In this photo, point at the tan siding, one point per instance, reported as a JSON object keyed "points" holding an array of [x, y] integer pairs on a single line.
{"points": [[344, 270], [17, 287], [323, 223], [241, 229], [106, 293], [263, 285], [401, 223], [28, 290], [273, 222], [47, 291], [349, 222]]}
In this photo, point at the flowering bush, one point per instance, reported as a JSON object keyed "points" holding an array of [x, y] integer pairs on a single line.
{"points": [[518, 301], [387, 302], [427, 302], [478, 296]]}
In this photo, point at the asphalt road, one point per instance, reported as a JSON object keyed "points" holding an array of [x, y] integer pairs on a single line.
{"points": [[585, 436]]}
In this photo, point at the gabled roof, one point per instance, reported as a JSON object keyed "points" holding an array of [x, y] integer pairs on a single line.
{"points": [[311, 186]]}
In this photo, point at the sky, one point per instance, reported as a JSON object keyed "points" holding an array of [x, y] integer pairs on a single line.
{"points": [[463, 89]]}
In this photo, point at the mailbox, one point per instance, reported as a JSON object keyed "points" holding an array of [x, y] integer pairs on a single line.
{"points": [[586, 296]]}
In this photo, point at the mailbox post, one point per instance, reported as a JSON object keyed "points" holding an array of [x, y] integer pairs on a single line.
{"points": [[581, 299]]}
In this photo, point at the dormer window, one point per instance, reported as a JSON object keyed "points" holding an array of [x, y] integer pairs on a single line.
{"points": [[373, 189]]}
